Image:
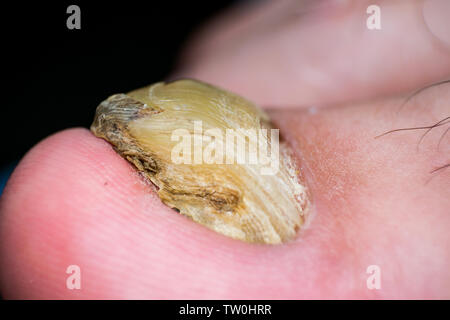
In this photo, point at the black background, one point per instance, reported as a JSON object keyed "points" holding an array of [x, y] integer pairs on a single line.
{"points": [[55, 77], [280, 309]]}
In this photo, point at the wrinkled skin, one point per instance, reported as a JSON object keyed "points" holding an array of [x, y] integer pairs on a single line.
{"points": [[73, 201]]}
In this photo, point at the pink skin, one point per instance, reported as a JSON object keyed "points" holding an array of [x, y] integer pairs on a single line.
{"points": [[73, 201], [291, 53]]}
